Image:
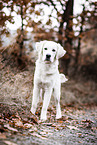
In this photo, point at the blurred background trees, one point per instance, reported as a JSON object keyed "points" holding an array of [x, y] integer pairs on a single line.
{"points": [[50, 20]]}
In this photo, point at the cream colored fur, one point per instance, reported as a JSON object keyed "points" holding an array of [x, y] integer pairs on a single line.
{"points": [[47, 77]]}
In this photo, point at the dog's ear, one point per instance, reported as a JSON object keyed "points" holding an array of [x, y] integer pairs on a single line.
{"points": [[60, 52], [39, 47]]}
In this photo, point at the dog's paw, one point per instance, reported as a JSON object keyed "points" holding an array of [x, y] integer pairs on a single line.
{"points": [[58, 115], [43, 118], [32, 110]]}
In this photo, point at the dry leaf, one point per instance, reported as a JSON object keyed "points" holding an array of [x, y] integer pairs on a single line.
{"points": [[43, 133], [33, 128], [62, 135], [10, 128], [73, 127], [60, 121], [33, 118], [80, 142], [2, 120], [54, 125], [48, 124], [10, 143], [79, 134], [57, 128], [2, 136], [87, 121], [18, 122], [37, 135], [27, 125]]}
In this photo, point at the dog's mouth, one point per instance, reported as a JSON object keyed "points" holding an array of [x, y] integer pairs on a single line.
{"points": [[47, 59]]}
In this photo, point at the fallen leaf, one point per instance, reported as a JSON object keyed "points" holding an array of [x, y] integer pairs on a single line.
{"points": [[94, 128], [48, 124], [49, 132], [79, 134], [37, 135], [2, 136], [10, 128], [33, 118], [63, 118], [31, 130], [60, 121], [72, 127], [9, 142], [57, 128], [2, 129], [54, 125], [43, 133], [62, 135], [27, 125], [80, 142], [18, 122], [87, 121], [81, 126], [63, 126], [2, 120]]}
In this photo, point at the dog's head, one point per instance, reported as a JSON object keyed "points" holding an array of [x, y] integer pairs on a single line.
{"points": [[49, 51]]}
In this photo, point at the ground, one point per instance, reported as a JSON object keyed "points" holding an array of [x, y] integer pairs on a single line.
{"points": [[18, 126]]}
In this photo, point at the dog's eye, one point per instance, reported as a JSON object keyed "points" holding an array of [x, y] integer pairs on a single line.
{"points": [[45, 48], [53, 50]]}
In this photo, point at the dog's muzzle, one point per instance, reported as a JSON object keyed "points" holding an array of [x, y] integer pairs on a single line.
{"points": [[48, 56]]}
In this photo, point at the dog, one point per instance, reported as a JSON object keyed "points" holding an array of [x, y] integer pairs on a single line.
{"points": [[47, 77]]}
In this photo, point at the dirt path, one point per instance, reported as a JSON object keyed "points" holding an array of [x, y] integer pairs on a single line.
{"points": [[77, 126], [18, 127]]}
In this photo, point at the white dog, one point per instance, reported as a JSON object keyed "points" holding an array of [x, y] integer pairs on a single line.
{"points": [[47, 77]]}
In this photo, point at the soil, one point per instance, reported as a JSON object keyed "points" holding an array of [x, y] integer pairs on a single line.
{"points": [[18, 126]]}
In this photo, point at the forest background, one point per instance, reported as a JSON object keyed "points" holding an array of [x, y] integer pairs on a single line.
{"points": [[22, 24], [51, 20]]}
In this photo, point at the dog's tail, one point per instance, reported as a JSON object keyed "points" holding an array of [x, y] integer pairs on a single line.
{"points": [[63, 78]]}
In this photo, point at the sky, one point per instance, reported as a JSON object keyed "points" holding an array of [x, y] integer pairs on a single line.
{"points": [[77, 10]]}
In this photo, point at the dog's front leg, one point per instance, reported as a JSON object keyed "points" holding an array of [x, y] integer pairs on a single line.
{"points": [[57, 101], [47, 96], [35, 98]]}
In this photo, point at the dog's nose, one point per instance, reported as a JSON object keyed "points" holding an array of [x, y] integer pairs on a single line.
{"points": [[48, 56]]}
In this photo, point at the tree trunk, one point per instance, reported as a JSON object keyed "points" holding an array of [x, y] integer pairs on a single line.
{"points": [[22, 33], [66, 18], [79, 39]]}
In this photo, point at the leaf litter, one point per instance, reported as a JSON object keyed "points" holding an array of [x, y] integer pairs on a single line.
{"points": [[13, 123], [77, 122]]}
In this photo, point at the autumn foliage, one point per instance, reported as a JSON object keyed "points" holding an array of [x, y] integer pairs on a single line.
{"points": [[60, 24]]}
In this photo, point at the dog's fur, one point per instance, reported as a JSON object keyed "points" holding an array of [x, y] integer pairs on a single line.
{"points": [[47, 77]]}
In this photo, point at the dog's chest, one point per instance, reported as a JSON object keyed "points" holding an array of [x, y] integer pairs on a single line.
{"points": [[46, 76], [46, 73]]}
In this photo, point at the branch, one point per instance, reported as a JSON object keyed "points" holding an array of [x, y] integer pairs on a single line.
{"points": [[53, 5], [61, 3]]}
